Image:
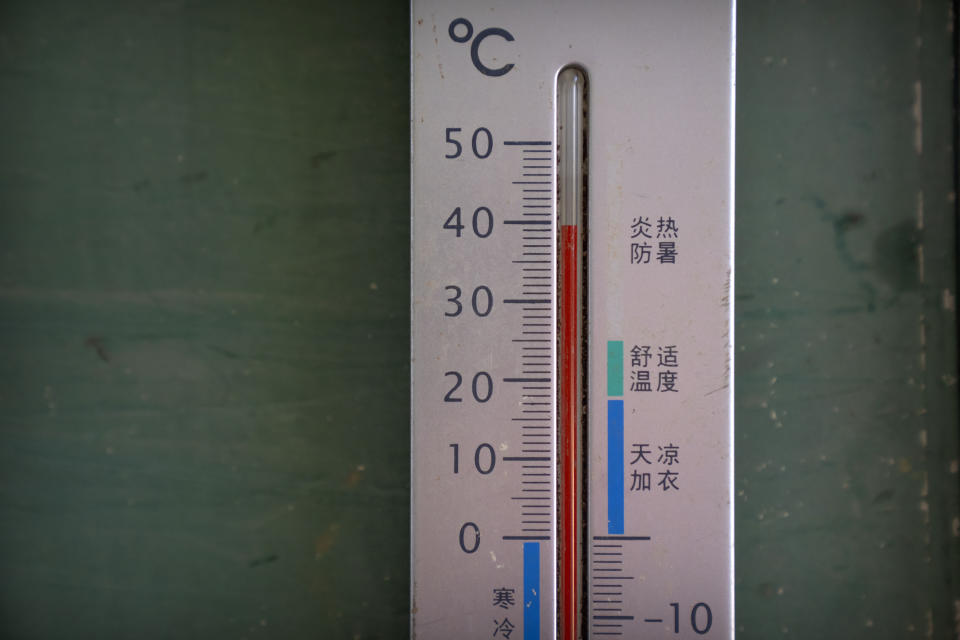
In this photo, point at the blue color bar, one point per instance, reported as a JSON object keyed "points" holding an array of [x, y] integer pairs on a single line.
{"points": [[531, 591], [615, 467]]}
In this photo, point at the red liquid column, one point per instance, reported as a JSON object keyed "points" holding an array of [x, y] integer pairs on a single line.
{"points": [[570, 432], [570, 195]]}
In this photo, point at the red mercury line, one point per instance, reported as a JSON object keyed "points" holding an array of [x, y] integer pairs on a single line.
{"points": [[570, 194], [569, 414]]}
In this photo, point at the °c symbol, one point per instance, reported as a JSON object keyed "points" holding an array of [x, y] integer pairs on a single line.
{"points": [[466, 33]]}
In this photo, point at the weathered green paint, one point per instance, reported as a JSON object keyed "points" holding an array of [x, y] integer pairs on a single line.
{"points": [[846, 371], [204, 320], [203, 315]]}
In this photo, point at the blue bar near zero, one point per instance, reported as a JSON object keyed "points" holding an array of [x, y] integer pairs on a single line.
{"points": [[615, 467], [531, 591]]}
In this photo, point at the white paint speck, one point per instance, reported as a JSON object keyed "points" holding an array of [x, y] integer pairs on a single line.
{"points": [[918, 117], [949, 301]]}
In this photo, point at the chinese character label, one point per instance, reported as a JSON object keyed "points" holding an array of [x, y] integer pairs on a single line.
{"points": [[503, 629], [667, 461], [666, 369], [666, 249], [504, 597]]}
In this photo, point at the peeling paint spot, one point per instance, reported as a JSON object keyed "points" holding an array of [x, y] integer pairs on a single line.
{"points": [[325, 542], [949, 301], [918, 117], [956, 617], [355, 476]]}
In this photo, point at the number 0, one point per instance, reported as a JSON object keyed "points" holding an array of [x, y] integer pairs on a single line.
{"points": [[469, 546], [493, 459], [476, 147]]}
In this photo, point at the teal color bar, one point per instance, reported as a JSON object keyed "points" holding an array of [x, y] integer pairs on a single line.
{"points": [[615, 367]]}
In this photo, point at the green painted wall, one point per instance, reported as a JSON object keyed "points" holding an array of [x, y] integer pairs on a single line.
{"points": [[204, 320]]}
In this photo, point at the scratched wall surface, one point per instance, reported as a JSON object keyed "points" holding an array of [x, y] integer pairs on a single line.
{"points": [[204, 320], [846, 371], [203, 302]]}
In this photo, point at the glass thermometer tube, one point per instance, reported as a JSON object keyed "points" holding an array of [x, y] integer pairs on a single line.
{"points": [[571, 83]]}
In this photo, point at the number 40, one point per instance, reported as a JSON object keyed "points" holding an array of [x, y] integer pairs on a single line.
{"points": [[482, 222]]}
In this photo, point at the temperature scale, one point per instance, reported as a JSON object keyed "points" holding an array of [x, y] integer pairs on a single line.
{"points": [[572, 347]]}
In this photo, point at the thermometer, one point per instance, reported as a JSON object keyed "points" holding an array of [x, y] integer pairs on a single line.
{"points": [[571, 359]]}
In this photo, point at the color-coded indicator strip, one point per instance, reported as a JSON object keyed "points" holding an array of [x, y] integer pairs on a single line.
{"points": [[531, 591], [615, 438]]}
